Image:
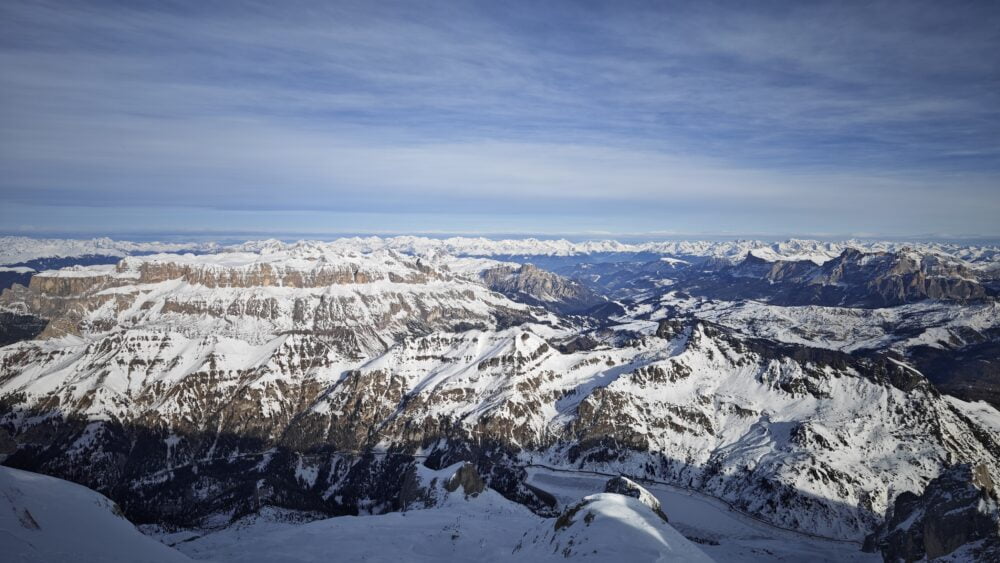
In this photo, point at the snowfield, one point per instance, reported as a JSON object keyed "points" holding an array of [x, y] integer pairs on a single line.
{"points": [[48, 520], [487, 528]]}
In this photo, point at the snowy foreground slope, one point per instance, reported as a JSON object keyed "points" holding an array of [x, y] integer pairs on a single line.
{"points": [[329, 378], [461, 527], [48, 520], [488, 527]]}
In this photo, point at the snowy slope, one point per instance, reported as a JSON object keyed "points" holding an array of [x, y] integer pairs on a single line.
{"points": [[47, 520], [487, 528], [930, 323], [835, 438], [720, 531], [611, 527]]}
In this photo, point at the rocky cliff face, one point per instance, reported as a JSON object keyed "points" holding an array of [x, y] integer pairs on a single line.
{"points": [[852, 279], [533, 285], [957, 510], [359, 303]]}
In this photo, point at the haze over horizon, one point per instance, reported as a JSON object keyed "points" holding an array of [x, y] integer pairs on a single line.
{"points": [[612, 119]]}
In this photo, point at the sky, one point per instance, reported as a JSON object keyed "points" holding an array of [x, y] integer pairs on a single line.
{"points": [[542, 117]]}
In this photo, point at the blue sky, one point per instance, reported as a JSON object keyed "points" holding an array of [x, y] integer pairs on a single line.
{"points": [[536, 117]]}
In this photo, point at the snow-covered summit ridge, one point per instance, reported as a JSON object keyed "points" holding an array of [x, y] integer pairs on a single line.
{"points": [[612, 527], [487, 528]]}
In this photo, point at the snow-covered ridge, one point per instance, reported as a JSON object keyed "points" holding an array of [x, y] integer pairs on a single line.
{"points": [[487, 528], [933, 323], [14, 250]]}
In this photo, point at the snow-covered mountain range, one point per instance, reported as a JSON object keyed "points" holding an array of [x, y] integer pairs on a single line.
{"points": [[802, 385], [22, 249], [15, 250]]}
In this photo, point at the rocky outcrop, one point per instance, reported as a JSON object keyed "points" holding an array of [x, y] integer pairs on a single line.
{"points": [[530, 284], [466, 478], [318, 272], [892, 278], [853, 279], [629, 488], [957, 510]]}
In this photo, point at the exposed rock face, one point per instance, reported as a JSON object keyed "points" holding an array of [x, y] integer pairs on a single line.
{"points": [[15, 327], [629, 488], [957, 509], [853, 279], [533, 285], [468, 479], [308, 272]]}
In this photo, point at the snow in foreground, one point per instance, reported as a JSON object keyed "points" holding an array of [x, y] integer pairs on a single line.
{"points": [[490, 528], [486, 528], [723, 534], [43, 519], [47, 519]]}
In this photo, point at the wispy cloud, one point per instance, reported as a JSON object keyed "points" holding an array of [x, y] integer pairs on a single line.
{"points": [[881, 117]]}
